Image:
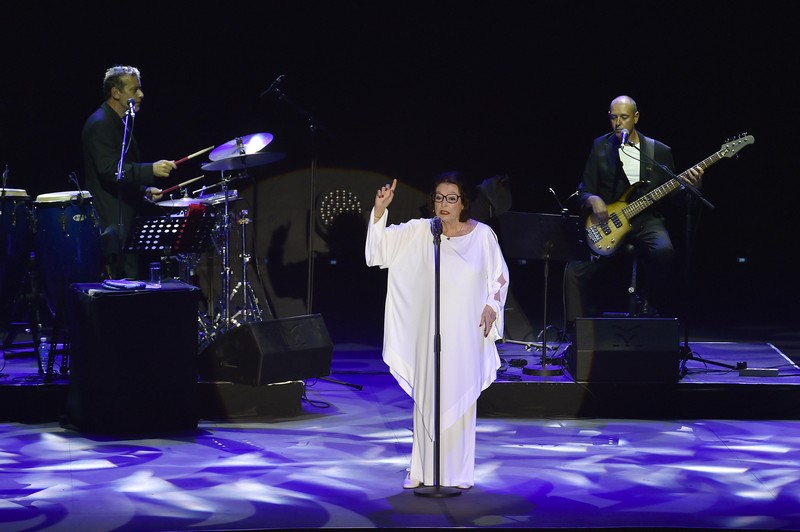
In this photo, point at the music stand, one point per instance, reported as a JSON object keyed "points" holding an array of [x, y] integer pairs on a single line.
{"points": [[168, 234], [542, 237]]}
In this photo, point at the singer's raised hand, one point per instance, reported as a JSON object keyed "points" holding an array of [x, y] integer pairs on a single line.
{"points": [[384, 197]]}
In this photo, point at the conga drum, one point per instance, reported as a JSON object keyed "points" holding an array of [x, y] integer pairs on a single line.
{"points": [[16, 244], [67, 243]]}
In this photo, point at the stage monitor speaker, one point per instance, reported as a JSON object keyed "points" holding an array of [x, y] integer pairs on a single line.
{"points": [[625, 350], [280, 350]]}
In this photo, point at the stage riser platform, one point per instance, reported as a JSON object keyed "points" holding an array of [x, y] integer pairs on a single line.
{"points": [[42, 403], [703, 391], [647, 401], [704, 383]]}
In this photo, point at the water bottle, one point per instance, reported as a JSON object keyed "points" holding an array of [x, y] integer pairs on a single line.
{"points": [[44, 354]]}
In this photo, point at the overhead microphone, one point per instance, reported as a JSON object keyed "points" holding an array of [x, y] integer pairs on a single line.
{"points": [[274, 86], [623, 137], [3, 187], [73, 178], [132, 107]]}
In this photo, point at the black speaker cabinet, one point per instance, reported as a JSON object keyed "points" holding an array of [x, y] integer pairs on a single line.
{"points": [[625, 350], [133, 359], [279, 350]]}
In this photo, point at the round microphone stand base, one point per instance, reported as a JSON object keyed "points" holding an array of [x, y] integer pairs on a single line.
{"points": [[437, 491], [546, 370]]}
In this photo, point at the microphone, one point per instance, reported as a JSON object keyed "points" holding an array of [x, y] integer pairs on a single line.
{"points": [[623, 137], [436, 226], [274, 86], [3, 187], [132, 107], [73, 178]]}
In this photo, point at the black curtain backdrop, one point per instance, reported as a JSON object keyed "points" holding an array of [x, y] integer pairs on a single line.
{"points": [[409, 89]]}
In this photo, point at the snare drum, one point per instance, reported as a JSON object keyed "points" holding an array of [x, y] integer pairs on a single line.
{"points": [[16, 244], [219, 197], [67, 242]]}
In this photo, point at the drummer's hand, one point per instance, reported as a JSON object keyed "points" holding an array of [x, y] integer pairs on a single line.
{"points": [[163, 168], [153, 194]]}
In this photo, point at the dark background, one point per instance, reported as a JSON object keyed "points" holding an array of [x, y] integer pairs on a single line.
{"points": [[406, 90]]}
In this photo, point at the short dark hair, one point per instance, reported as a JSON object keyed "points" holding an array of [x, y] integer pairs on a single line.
{"points": [[458, 179]]}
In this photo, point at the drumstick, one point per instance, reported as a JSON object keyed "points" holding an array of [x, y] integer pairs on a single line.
{"points": [[179, 185], [201, 152]]}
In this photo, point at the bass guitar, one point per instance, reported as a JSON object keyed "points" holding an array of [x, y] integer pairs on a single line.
{"points": [[605, 238]]}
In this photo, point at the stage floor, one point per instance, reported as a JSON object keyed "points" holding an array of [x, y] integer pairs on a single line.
{"points": [[338, 460]]}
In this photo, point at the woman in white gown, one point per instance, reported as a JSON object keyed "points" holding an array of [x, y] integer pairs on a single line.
{"points": [[473, 285]]}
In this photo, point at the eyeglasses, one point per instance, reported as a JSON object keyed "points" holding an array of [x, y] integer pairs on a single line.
{"points": [[451, 198]]}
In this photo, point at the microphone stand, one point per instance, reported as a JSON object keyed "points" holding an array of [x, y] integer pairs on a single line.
{"points": [[436, 490], [120, 177], [313, 127], [686, 351]]}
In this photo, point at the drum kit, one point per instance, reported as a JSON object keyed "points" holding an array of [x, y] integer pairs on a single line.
{"points": [[237, 303], [63, 230]]}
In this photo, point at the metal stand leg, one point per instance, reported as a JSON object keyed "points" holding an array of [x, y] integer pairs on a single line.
{"points": [[238, 303]]}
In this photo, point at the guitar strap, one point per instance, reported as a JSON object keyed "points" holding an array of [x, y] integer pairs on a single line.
{"points": [[649, 149]]}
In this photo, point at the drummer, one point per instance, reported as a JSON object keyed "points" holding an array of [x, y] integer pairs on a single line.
{"points": [[118, 201]]}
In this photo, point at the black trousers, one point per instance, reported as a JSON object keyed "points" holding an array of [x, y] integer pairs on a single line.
{"points": [[656, 253]]}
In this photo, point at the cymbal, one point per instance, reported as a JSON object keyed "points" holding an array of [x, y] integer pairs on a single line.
{"points": [[180, 202], [240, 162], [249, 143]]}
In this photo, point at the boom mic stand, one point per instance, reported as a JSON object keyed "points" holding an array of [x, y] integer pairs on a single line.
{"points": [[686, 351], [313, 127], [437, 490]]}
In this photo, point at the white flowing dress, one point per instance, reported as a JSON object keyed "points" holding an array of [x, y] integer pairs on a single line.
{"points": [[473, 273]]}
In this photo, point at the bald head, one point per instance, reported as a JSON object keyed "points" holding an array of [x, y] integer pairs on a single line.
{"points": [[624, 114], [627, 101]]}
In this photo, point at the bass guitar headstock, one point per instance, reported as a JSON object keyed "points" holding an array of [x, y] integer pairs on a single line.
{"points": [[732, 146]]}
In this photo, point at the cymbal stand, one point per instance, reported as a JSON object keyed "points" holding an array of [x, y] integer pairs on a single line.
{"points": [[226, 266], [250, 311]]}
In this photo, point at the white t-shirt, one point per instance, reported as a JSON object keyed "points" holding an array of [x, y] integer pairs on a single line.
{"points": [[630, 162]]}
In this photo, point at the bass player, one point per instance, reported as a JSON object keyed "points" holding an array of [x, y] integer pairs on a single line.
{"points": [[622, 166]]}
